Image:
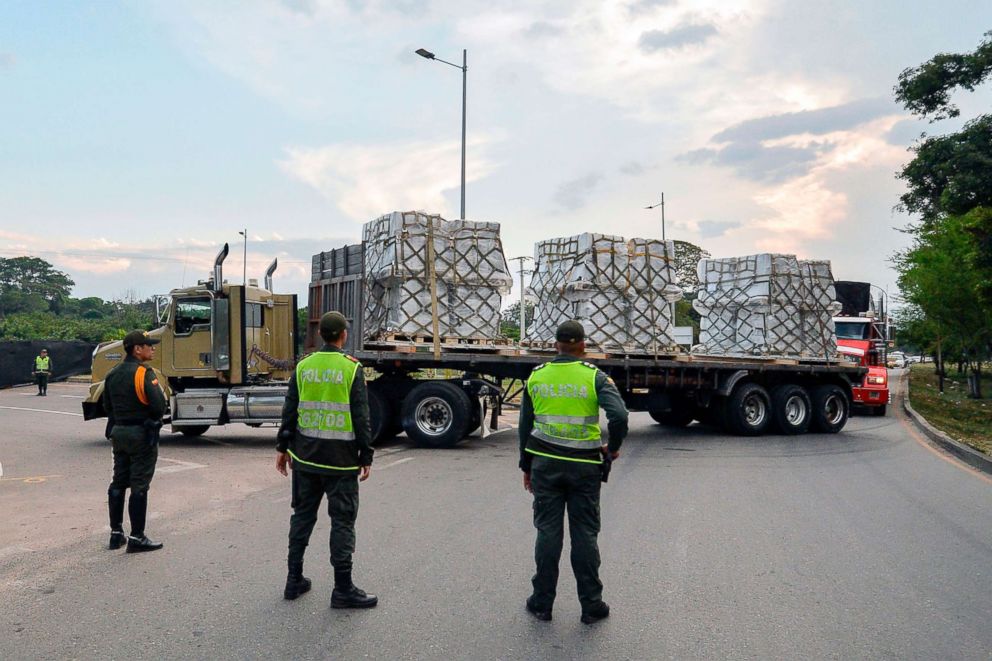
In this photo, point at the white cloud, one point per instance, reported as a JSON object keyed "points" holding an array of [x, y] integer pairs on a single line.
{"points": [[365, 181]]}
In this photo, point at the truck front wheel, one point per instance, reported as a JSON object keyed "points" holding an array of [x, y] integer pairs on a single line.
{"points": [[381, 416], [791, 409], [830, 408], [748, 410], [436, 414], [674, 417], [194, 430]]}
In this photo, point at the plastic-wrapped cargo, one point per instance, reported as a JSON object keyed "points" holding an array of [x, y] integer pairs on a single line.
{"points": [[766, 305], [620, 290], [470, 270]]}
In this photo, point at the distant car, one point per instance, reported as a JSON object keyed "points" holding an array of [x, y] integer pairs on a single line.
{"points": [[896, 359]]}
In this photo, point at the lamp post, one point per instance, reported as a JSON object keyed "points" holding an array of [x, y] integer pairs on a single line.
{"points": [[244, 259], [422, 52], [662, 205], [523, 296]]}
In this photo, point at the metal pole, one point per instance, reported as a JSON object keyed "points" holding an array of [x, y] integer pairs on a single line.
{"points": [[662, 216], [523, 298], [244, 261], [464, 92]]}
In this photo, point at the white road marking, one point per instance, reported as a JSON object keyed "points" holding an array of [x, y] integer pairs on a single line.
{"points": [[14, 550], [73, 396], [19, 408], [395, 463], [1, 470], [179, 466], [387, 452]]}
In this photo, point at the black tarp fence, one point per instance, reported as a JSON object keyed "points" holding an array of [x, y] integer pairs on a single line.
{"points": [[68, 358]]}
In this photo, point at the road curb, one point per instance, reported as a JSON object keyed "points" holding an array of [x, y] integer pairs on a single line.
{"points": [[969, 455]]}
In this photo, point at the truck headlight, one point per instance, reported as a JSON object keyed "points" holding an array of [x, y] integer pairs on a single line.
{"points": [[875, 381]]}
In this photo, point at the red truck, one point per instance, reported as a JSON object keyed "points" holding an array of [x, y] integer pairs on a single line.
{"points": [[863, 340]]}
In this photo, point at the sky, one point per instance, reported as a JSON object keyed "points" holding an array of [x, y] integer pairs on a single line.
{"points": [[138, 137]]}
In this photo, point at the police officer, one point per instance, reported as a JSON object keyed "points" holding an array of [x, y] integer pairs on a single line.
{"points": [[134, 403], [42, 370], [562, 457], [325, 437]]}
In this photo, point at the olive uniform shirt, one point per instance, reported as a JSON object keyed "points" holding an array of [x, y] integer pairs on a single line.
{"points": [[609, 400]]}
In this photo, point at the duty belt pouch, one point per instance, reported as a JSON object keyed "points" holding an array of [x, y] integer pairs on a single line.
{"points": [[152, 430], [605, 467]]}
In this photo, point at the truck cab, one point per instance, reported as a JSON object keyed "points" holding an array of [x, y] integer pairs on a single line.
{"points": [[225, 354], [862, 340]]}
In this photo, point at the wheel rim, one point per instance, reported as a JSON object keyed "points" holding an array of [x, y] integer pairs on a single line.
{"points": [[833, 409], [795, 410], [755, 411], [434, 416]]}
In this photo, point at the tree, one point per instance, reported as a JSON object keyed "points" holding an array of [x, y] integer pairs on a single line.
{"points": [[687, 256], [938, 276], [30, 284], [949, 174], [509, 325]]}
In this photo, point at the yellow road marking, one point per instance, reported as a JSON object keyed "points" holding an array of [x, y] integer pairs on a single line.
{"points": [[34, 479]]}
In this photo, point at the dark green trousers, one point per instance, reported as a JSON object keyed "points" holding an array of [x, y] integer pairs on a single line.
{"points": [[134, 458], [561, 486], [342, 506], [42, 380]]}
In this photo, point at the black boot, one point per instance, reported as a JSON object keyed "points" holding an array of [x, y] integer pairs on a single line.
{"points": [[347, 595], [595, 613], [137, 509], [115, 504], [296, 582], [544, 615]]}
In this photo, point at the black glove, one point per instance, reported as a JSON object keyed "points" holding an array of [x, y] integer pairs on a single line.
{"points": [[606, 467]]}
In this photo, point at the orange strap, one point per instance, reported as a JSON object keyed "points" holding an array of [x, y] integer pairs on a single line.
{"points": [[139, 384]]}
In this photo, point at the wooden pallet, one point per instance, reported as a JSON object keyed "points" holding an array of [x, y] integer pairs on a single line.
{"points": [[445, 340]]}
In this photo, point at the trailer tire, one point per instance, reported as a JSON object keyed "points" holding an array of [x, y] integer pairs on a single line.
{"points": [[194, 430], [381, 415], [831, 408], [879, 411], [792, 409], [748, 410], [436, 414], [674, 417]]}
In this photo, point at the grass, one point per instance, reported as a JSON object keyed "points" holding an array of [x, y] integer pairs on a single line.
{"points": [[967, 420]]}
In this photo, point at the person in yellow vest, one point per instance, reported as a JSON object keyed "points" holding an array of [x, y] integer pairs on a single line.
{"points": [[325, 437], [42, 370], [562, 456]]}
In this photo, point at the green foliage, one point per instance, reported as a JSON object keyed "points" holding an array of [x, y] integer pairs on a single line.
{"points": [[509, 325], [30, 284], [687, 256], [302, 316], [925, 90]]}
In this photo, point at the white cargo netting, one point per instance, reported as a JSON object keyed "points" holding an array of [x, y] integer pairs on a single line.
{"points": [[470, 271], [621, 291], [766, 305]]}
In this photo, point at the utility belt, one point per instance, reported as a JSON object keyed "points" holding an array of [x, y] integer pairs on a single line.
{"points": [[152, 427]]}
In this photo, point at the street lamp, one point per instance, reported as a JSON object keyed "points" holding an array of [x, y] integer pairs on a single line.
{"points": [[662, 205], [244, 259], [423, 52]]}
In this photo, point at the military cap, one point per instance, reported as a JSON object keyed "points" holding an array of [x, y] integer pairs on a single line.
{"points": [[139, 337], [570, 331], [332, 323]]}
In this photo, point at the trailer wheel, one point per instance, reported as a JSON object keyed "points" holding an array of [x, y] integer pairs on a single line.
{"points": [[436, 414], [792, 409], [675, 417], [380, 416], [830, 409], [748, 410], [879, 411], [194, 430]]}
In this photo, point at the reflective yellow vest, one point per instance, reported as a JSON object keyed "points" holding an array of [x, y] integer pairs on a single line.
{"points": [[566, 409], [324, 382], [41, 364]]}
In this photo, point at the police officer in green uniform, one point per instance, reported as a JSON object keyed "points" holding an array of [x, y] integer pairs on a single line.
{"points": [[134, 403], [42, 370], [325, 437], [562, 456]]}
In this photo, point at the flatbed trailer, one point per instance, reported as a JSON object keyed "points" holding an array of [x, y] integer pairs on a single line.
{"points": [[743, 395]]}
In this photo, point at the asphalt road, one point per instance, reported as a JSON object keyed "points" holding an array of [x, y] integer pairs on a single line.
{"points": [[865, 544]]}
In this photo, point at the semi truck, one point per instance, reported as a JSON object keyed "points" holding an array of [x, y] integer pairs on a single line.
{"points": [[227, 352], [745, 396], [225, 355], [862, 335]]}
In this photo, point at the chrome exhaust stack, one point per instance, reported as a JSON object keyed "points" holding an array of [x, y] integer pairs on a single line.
{"points": [[218, 269], [268, 273]]}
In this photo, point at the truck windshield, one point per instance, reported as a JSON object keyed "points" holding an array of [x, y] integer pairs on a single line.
{"points": [[852, 330]]}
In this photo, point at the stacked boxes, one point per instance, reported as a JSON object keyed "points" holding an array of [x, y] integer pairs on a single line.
{"points": [[766, 305], [620, 290], [471, 277]]}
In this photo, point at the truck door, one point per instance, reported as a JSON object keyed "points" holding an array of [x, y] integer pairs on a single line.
{"points": [[191, 350]]}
